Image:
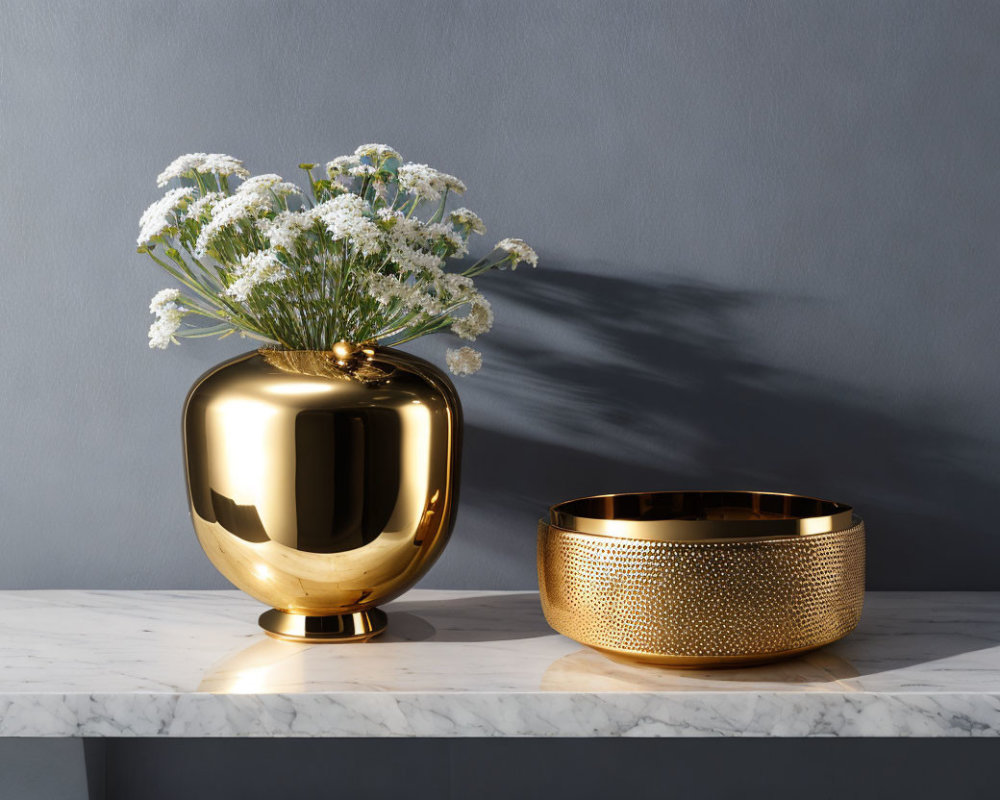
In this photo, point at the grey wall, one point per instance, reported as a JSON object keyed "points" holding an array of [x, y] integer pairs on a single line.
{"points": [[769, 238]]}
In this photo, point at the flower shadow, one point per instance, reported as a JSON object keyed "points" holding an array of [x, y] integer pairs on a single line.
{"points": [[654, 384]]}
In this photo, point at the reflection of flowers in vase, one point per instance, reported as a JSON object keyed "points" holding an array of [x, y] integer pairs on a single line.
{"points": [[358, 257]]}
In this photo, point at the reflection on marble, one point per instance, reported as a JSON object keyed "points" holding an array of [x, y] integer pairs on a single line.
{"points": [[85, 663], [589, 671]]}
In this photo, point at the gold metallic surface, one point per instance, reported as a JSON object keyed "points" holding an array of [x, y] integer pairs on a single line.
{"points": [[700, 516], [357, 627], [323, 484], [718, 601]]}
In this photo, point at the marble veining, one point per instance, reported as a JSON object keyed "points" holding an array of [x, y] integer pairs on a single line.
{"points": [[472, 663]]}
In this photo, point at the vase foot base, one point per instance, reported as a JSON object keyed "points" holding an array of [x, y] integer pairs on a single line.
{"points": [[358, 627]]}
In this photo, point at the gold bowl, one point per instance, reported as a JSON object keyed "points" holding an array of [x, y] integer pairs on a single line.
{"points": [[702, 579]]}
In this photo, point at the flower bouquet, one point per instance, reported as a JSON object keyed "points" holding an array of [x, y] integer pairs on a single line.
{"points": [[323, 467], [359, 257]]}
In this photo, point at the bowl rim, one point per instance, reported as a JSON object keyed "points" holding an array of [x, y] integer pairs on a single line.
{"points": [[751, 514]]}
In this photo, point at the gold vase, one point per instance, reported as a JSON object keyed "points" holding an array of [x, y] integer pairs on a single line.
{"points": [[323, 483]]}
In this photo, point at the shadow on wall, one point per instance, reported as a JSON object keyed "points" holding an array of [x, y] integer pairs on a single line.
{"points": [[631, 385]]}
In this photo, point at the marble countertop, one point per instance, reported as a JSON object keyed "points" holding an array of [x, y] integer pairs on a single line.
{"points": [[472, 663]]}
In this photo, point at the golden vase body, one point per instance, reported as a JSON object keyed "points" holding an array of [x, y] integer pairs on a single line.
{"points": [[323, 485]]}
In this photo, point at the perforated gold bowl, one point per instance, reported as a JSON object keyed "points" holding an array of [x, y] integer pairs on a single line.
{"points": [[702, 579]]}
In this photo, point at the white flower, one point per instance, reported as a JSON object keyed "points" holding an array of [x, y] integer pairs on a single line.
{"points": [[161, 332], [458, 287], [478, 321], [387, 289], [410, 241], [428, 183], [340, 165], [468, 219], [256, 268], [377, 152], [168, 318], [202, 205], [262, 184], [182, 165], [412, 259], [286, 228], [163, 300], [363, 264], [219, 163], [361, 171], [347, 216], [436, 232], [228, 211], [464, 361], [520, 250], [158, 217]]}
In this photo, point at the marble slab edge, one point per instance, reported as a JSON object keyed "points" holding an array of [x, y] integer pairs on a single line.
{"points": [[465, 714]]}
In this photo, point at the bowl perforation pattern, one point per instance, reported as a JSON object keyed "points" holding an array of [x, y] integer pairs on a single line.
{"points": [[721, 599]]}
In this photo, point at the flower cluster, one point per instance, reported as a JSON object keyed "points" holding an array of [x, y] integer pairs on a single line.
{"points": [[168, 317], [361, 256]]}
